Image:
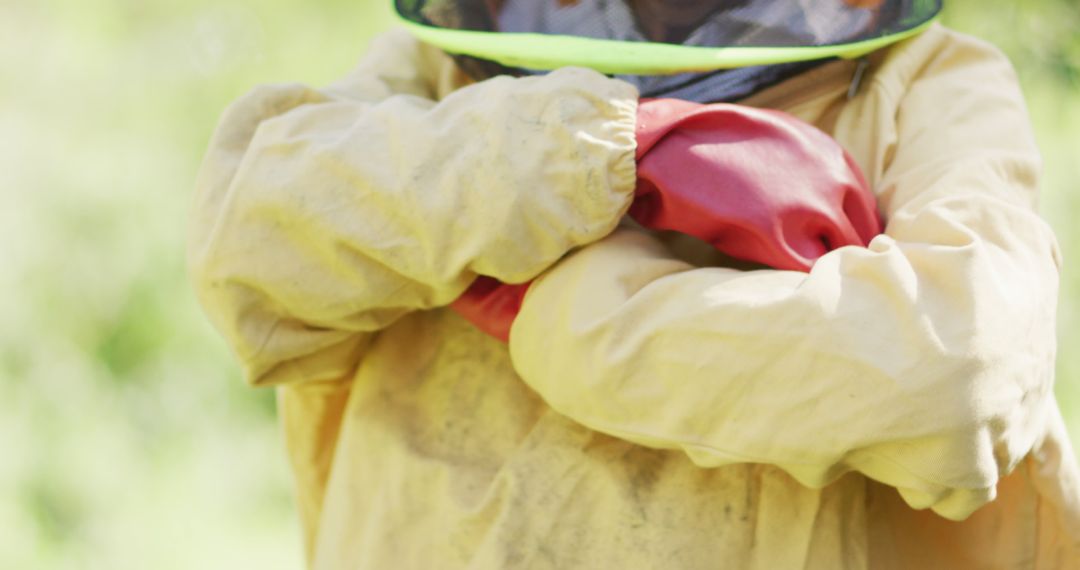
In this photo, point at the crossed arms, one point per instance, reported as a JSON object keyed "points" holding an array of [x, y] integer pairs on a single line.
{"points": [[924, 361]]}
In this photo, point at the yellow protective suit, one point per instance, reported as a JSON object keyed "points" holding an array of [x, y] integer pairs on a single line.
{"points": [[892, 409]]}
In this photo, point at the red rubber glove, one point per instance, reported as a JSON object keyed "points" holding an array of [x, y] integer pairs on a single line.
{"points": [[758, 185], [491, 305]]}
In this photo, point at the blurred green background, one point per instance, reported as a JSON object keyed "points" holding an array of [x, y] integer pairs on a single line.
{"points": [[127, 437]]}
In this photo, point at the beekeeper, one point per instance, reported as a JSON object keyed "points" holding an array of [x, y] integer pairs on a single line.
{"points": [[717, 356]]}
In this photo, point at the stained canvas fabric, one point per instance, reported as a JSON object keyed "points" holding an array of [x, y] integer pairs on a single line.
{"points": [[655, 407]]}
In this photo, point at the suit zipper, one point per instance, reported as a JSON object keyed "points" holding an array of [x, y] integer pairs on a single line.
{"points": [[857, 77]]}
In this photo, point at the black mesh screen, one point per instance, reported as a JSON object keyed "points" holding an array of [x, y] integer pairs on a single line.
{"points": [[742, 23], [701, 23]]}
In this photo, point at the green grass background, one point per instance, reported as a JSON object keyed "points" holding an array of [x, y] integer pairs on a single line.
{"points": [[127, 439]]}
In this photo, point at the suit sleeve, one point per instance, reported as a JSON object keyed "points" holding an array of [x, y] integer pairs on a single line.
{"points": [[322, 216], [924, 361]]}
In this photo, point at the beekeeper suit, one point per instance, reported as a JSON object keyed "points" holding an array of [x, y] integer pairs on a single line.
{"points": [[656, 406]]}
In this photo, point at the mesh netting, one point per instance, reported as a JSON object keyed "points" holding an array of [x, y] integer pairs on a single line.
{"points": [[716, 23], [698, 23]]}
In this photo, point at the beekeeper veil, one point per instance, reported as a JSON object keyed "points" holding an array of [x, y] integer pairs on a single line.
{"points": [[700, 50]]}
